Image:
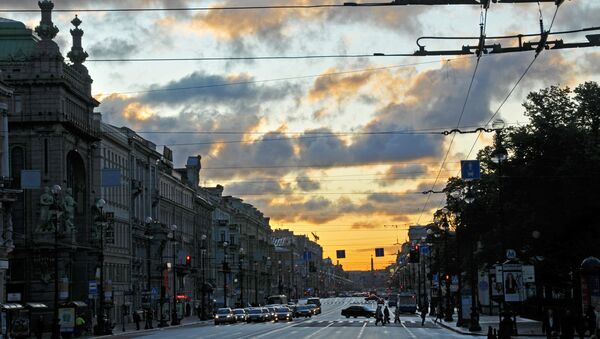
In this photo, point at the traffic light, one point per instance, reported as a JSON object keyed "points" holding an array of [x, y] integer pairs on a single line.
{"points": [[188, 260]]}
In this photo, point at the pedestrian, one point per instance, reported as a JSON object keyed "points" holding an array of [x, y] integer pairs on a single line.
{"points": [[423, 314], [386, 315], [149, 318], [397, 316], [136, 320], [79, 325], [568, 326], [438, 313], [550, 324], [590, 318], [39, 327], [505, 329], [379, 316]]}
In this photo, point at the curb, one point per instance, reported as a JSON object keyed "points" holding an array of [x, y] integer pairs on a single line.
{"points": [[133, 331], [456, 330]]}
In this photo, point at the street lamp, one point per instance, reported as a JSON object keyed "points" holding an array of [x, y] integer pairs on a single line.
{"points": [[279, 282], [225, 269], [149, 233], [100, 321], [174, 316], [241, 273], [56, 207], [202, 255]]}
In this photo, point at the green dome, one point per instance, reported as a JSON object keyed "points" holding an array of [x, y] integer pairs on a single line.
{"points": [[11, 24]]}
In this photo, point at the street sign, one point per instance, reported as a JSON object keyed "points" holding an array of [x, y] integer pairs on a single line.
{"points": [[470, 169], [379, 252], [340, 254], [154, 292], [92, 288], [511, 254]]}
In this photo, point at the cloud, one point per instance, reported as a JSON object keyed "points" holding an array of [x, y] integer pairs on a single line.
{"points": [[112, 48], [401, 172], [365, 225], [306, 184]]}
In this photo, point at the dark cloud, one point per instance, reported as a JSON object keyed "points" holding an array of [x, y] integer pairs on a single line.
{"points": [[203, 88], [396, 173], [365, 225], [257, 188], [306, 184], [112, 48]]}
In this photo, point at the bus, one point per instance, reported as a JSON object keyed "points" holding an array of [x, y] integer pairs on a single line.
{"points": [[407, 302], [277, 299]]}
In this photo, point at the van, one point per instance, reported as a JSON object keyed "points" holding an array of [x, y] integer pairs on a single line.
{"points": [[315, 301]]}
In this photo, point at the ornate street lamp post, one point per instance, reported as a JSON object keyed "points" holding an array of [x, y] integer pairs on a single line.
{"points": [[225, 269], [174, 316], [56, 207], [241, 273], [202, 258], [100, 321], [149, 233]]}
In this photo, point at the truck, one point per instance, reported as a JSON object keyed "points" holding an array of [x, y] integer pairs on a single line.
{"points": [[280, 299], [407, 302]]}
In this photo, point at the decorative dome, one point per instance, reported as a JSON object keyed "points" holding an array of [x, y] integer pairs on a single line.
{"points": [[11, 24], [590, 264]]}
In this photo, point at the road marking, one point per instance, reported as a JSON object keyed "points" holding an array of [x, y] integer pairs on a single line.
{"points": [[293, 332], [269, 332], [409, 331], [315, 333], [362, 330]]}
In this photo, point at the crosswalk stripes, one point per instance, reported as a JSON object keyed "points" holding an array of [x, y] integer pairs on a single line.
{"points": [[361, 322]]}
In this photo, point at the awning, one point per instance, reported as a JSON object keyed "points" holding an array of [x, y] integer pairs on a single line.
{"points": [[36, 306], [11, 307], [74, 304]]}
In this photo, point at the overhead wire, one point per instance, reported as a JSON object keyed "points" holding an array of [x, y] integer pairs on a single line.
{"points": [[483, 23]]}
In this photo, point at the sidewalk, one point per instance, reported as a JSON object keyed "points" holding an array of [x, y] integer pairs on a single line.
{"points": [[525, 327], [130, 327]]}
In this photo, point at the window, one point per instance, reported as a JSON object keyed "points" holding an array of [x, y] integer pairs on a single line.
{"points": [[18, 104], [222, 236]]}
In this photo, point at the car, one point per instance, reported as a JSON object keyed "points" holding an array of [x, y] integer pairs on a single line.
{"points": [[314, 308], [272, 312], [240, 314], [315, 301], [256, 315], [358, 311], [267, 314], [284, 313], [304, 311], [224, 315]]}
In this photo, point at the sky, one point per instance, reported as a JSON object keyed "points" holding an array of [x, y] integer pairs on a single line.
{"points": [[342, 147]]}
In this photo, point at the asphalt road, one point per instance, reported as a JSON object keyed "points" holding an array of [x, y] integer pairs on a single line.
{"points": [[329, 324]]}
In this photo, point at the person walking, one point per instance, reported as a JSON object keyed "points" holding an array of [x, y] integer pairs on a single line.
{"points": [[397, 316], [590, 319], [379, 316], [136, 320], [438, 313], [39, 328], [386, 315], [550, 324], [423, 314], [568, 325]]}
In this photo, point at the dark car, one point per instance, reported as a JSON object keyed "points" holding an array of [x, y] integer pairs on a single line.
{"points": [[284, 313], [267, 314], [358, 311], [256, 315], [315, 301], [304, 311], [272, 312], [314, 308], [224, 315], [240, 314]]}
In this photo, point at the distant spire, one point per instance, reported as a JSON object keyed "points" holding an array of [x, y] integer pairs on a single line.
{"points": [[77, 54], [46, 30]]}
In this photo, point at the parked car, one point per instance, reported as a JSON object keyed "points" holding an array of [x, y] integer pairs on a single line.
{"points": [[304, 311], [358, 311], [240, 314], [284, 313], [256, 315], [224, 315]]}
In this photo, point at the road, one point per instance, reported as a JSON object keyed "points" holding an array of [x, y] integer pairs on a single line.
{"points": [[329, 324]]}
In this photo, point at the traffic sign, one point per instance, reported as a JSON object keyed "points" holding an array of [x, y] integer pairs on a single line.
{"points": [[470, 169], [93, 287], [511, 254], [154, 292], [424, 249]]}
